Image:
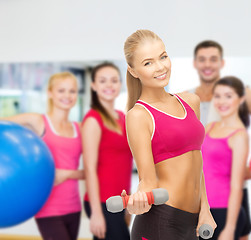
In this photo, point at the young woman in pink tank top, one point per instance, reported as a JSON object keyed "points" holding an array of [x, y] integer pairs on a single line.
{"points": [[165, 137], [225, 153], [59, 218]]}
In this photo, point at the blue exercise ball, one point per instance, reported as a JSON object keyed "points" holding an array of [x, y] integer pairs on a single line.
{"points": [[27, 173]]}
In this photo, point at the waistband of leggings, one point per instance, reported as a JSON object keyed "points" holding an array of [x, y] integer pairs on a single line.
{"points": [[169, 212]]}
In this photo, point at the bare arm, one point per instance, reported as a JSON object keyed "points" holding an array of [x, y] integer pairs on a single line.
{"points": [[239, 145], [77, 174], [248, 99], [139, 128], [91, 136], [33, 121], [64, 174], [193, 100], [248, 170]]}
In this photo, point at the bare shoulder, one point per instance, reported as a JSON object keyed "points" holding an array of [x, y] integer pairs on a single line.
{"points": [[239, 141], [241, 135], [37, 117], [34, 121], [190, 98], [37, 122], [137, 114], [208, 126], [248, 98]]}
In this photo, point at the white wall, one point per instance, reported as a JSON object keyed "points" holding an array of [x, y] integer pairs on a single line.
{"points": [[83, 30]]}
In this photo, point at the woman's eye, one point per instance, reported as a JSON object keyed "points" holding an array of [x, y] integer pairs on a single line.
{"points": [[147, 63], [164, 57]]}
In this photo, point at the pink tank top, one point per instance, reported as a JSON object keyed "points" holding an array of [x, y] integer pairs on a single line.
{"points": [[64, 198], [217, 163], [173, 136]]}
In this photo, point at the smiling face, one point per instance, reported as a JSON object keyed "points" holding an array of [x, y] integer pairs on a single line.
{"points": [[208, 63], [151, 64], [63, 93], [226, 100], [107, 83]]}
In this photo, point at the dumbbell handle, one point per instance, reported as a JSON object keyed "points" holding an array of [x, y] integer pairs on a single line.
{"points": [[118, 203], [206, 231], [150, 199]]}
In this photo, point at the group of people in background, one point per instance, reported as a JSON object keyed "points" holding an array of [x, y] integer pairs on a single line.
{"points": [[203, 169], [225, 113]]}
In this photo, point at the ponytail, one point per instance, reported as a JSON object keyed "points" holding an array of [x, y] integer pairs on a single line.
{"points": [[244, 114], [134, 88]]}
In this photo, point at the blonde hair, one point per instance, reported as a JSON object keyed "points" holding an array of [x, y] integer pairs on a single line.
{"points": [[134, 86], [53, 79]]}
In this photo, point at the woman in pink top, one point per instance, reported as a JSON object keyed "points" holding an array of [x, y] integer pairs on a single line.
{"points": [[225, 153], [165, 136], [59, 218], [107, 156]]}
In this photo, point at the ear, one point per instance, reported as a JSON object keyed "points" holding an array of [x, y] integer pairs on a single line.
{"points": [[132, 72], [93, 86], [194, 63], [222, 63], [243, 99], [49, 94]]}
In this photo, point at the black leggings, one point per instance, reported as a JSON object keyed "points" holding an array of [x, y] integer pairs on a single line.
{"points": [[220, 215], [245, 205], [164, 222], [64, 227], [116, 228]]}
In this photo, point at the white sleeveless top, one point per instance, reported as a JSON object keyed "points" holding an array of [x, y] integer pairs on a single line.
{"points": [[208, 112]]}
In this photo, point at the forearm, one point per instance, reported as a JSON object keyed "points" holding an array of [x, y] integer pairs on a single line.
{"points": [[147, 185], [77, 174], [19, 119], [247, 173], [234, 205], [92, 185], [204, 205]]}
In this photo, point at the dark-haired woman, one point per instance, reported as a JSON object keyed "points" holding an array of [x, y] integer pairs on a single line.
{"points": [[225, 153], [107, 156]]}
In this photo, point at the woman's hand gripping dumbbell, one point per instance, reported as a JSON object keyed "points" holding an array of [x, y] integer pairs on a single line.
{"points": [[157, 196], [118, 203]]}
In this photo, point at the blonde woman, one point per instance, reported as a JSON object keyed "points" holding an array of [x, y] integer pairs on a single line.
{"points": [[59, 218], [165, 137], [107, 156]]}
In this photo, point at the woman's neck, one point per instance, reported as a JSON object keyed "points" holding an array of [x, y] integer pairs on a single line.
{"points": [[231, 121], [109, 107], [153, 95], [59, 116]]}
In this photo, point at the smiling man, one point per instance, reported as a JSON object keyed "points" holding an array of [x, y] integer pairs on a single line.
{"points": [[208, 61]]}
